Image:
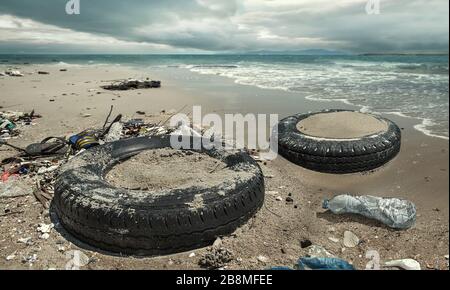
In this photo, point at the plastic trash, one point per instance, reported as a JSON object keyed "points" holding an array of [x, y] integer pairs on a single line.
{"points": [[316, 251], [281, 268], [405, 264], [324, 264], [14, 73], [84, 140], [115, 132], [7, 124], [393, 212]]}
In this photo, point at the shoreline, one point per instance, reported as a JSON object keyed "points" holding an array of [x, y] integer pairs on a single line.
{"points": [[419, 173], [421, 127]]}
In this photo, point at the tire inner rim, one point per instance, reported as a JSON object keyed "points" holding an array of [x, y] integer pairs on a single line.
{"points": [[341, 125]]}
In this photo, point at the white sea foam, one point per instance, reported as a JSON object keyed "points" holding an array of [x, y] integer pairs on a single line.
{"points": [[66, 65], [423, 127], [375, 87]]}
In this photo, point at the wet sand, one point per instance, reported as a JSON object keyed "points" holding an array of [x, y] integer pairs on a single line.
{"points": [[72, 101]]}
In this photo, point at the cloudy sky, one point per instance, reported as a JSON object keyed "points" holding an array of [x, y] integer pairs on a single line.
{"points": [[209, 26]]}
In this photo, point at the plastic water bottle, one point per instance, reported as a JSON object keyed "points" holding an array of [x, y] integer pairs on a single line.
{"points": [[393, 212]]}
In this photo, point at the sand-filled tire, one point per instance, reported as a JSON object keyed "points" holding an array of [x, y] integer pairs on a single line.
{"points": [[143, 223], [338, 155]]}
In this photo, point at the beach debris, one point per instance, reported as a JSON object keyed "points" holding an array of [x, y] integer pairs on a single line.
{"points": [[281, 268], [192, 255], [27, 241], [44, 170], [350, 239], [215, 258], [305, 244], [6, 124], [76, 259], [134, 123], [323, 264], [14, 73], [45, 228], [43, 73], [132, 84], [262, 259], [115, 132], [30, 259], [138, 128], [11, 257], [63, 70], [19, 118], [42, 199], [44, 190], [45, 236], [405, 264], [85, 140], [316, 251], [393, 212]]}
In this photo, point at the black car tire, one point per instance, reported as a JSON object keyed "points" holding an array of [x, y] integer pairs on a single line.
{"points": [[116, 220], [337, 156]]}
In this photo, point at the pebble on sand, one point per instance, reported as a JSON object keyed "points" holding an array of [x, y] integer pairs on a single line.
{"points": [[350, 239], [262, 259], [334, 240]]}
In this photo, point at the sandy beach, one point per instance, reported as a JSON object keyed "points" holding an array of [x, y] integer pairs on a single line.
{"points": [[71, 101]]}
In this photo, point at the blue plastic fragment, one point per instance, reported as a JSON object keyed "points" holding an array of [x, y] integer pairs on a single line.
{"points": [[281, 269], [324, 264]]}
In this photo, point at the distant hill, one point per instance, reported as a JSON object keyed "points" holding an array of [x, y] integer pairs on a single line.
{"points": [[407, 54], [299, 52]]}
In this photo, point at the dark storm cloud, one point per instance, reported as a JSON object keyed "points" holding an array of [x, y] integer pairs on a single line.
{"points": [[224, 25]]}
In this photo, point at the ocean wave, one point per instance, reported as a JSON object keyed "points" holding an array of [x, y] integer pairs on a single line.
{"points": [[374, 87], [424, 68], [424, 128], [212, 66], [66, 65]]}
